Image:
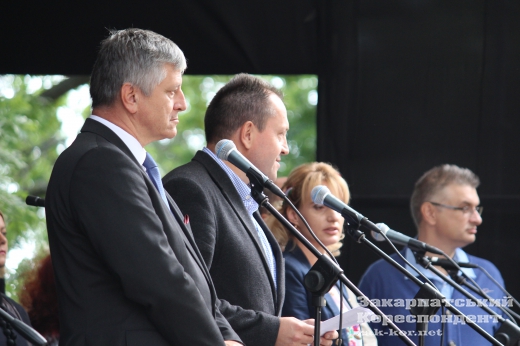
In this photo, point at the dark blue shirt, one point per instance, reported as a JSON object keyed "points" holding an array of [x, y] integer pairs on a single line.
{"points": [[392, 292]]}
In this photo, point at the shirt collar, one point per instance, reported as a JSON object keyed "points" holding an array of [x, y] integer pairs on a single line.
{"points": [[242, 188], [130, 141]]}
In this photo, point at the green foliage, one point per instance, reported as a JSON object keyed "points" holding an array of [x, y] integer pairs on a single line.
{"points": [[298, 91], [30, 140]]}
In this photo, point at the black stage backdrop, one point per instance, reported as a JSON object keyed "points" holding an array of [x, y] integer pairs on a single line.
{"points": [[403, 85], [407, 85]]}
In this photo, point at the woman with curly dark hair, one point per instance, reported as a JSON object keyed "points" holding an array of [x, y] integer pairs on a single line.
{"points": [[38, 296]]}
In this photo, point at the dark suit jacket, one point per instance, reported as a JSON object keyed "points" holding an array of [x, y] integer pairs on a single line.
{"points": [[229, 243], [127, 269]]}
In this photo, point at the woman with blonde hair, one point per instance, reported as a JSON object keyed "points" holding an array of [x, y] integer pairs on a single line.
{"points": [[327, 224]]}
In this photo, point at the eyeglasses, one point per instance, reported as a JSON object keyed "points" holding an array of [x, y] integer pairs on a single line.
{"points": [[465, 209]]}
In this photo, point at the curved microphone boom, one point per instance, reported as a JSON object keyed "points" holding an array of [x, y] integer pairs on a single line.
{"points": [[402, 239], [227, 150], [442, 262]]}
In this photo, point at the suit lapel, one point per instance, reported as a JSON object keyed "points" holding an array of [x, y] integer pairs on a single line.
{"points": [[188, 237], [228, 190], [101, 130], [280, 267]]}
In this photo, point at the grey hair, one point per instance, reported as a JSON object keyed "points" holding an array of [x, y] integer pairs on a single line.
{"points": [[132, 56], [434, 181]]}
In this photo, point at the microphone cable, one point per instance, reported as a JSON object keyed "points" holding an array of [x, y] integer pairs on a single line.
{"points": [[405, 260], [479, 289], [286, 199], [443, 308], [499, 286], [462, 281]]}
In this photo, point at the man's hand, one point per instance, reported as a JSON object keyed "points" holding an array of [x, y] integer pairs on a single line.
{"points": [[328, 337], [232, 343], [295, 332]]}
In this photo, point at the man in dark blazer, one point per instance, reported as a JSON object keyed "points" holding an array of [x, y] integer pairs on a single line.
{"points": [[245, 261], [128, 271]]}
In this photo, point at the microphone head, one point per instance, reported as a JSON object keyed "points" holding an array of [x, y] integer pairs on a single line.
{"points": [[382, 229], [223, 148], [319, 193], [35, 201]]}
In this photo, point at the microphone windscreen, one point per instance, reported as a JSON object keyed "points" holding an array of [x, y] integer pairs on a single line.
{"points": [[319, 193], [383, 228], [377, 236], [35, 201], [224, 148]]}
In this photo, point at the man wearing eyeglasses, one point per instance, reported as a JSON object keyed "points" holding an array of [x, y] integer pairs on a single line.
{"points": [[446, 210]]}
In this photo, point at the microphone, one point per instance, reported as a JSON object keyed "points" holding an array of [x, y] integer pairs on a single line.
{"points": [[436, 261], [35, 201], [402, 239], [320, 194], [227, 150]]}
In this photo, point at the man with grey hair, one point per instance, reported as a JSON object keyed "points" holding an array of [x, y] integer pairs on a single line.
{"points": [[128, 271], [446, 210]]}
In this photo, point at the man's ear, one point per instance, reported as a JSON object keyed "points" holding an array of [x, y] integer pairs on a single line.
{"points": [[129, 97], [429, 213], [247, 134], [292, 216]]}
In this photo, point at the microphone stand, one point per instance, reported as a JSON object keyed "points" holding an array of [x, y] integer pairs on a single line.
{"points": [[453, 268], [508, 333], [425, 292], [324, 270], [26, 331]]}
